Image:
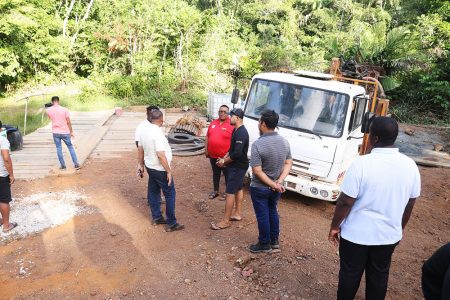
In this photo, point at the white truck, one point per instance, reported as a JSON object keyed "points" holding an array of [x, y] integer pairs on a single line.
{"points": [[321, 115]]}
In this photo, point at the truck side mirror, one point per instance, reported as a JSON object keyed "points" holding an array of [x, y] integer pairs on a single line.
{"points": [[235, 96], [367, 119]]}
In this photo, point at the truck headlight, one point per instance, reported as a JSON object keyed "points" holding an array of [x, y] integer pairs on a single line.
{"points": [[323, 193], [314, 191]]}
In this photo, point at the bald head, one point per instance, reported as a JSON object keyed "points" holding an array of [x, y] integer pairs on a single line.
{"points": [[383, 131]]}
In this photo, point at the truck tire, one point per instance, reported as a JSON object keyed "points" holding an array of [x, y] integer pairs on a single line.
{"points": [[180, 138]]}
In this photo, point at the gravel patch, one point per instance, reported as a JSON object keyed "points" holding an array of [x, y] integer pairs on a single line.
{"points": [[40, 211]]}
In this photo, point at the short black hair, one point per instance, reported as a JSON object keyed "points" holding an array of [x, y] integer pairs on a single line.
{"points": [[55, 98], [386, 129], [270, 118], [224, 105], [152, 107], [155, 115]]}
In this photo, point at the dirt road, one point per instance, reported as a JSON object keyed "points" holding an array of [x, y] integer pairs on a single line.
{"points": [[114, 252]]}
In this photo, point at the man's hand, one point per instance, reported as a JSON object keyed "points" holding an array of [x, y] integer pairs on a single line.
{"points": [[333, 236], [206, 152], [220, 162], [140, 171], [169, 178], [280, 187], [72, 135], [11, 179]]}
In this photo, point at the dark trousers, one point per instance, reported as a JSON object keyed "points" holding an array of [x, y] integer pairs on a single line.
{"points": [[157, 182], [354, 260], [217, 172], [436, 275], [57, 138], [265, 205]]}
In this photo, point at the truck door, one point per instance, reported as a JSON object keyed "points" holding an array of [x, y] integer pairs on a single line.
{"points": [[355, 136]]}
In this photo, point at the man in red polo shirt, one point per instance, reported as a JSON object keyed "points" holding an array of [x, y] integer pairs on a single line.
{"points": [[217, 144]]}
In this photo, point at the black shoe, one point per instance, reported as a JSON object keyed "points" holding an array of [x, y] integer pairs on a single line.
{"points": [[62, 168], [275, 244], [174, 227], [159, 221], [259, 248], [77, 167]]}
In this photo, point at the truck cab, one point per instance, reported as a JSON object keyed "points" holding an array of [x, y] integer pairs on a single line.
{"points": [[320, 117]]}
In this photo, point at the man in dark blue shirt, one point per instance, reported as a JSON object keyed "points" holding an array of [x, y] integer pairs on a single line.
{"points": [[237, 163]]}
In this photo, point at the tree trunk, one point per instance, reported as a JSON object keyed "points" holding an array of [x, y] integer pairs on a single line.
{"points": [[161, 66], [83, 20], [66, 17], [219, 7]]}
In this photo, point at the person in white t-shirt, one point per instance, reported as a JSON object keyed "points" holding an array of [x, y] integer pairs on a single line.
{"points": [[6, 180], [156, 155], [378, 195]]}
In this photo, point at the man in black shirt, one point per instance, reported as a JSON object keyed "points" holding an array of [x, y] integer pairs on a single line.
{"points": [[237, 163]]}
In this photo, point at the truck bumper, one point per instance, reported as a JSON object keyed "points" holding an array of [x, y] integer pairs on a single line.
{"points": [[312, 188]]}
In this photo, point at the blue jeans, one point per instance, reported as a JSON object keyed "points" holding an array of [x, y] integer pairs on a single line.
{"points": [[157, 181], [265, 205], [57, 137]]}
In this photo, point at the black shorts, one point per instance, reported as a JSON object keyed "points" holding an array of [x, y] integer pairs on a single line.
{"points": [[5, 190], [235, 180]]}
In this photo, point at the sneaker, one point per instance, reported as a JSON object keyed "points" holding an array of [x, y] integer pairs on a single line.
{"points": [[275, 244], [77, 167], [62, 168], [174, 227], [159, 221], [260, 248]]}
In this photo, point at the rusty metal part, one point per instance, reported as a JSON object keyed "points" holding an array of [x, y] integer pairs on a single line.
{"points": [[188, 124]]}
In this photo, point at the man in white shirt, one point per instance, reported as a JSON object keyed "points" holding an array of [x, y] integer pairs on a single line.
{"points": [[6, 180], [377, 198], [155, 154]]}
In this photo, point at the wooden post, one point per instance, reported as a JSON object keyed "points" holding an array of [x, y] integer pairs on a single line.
{"points": [[43, 111], [25, 118]]}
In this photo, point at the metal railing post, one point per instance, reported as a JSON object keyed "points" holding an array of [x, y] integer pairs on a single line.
{"points": [[25, 118]]}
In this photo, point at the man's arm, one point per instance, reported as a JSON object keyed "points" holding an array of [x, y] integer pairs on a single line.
{"points": [[258, 172], [286, 169], [343, 206], [206, 146], [408, 210], [69, 124], [273, 184], [141, 158], [225, 160], [163, 160], [8, 165]]}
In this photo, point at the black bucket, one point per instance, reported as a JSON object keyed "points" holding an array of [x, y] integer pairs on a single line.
{"points": [[14, 137]]}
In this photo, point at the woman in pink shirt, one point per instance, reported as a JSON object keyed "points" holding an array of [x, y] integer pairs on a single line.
{"points": [[62, 131]]}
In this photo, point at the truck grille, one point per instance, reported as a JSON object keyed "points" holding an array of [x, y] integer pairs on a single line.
{"points": [[298, 166]]}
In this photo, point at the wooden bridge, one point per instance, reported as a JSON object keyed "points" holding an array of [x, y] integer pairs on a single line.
{"points": [[99, 135]]}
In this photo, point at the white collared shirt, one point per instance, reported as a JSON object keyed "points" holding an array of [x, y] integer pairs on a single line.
{"points": [[4, 145], [152, 139], [139, 128], [382, 183]]}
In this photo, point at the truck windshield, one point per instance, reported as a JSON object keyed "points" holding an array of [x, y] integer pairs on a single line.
{"points": [[300, 107]]}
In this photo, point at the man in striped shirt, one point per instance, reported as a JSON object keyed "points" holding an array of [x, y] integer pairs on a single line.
{"points": [[271, 162]]}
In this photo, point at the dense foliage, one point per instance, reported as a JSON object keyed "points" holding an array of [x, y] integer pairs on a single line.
{"points": [[171, 51]]}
